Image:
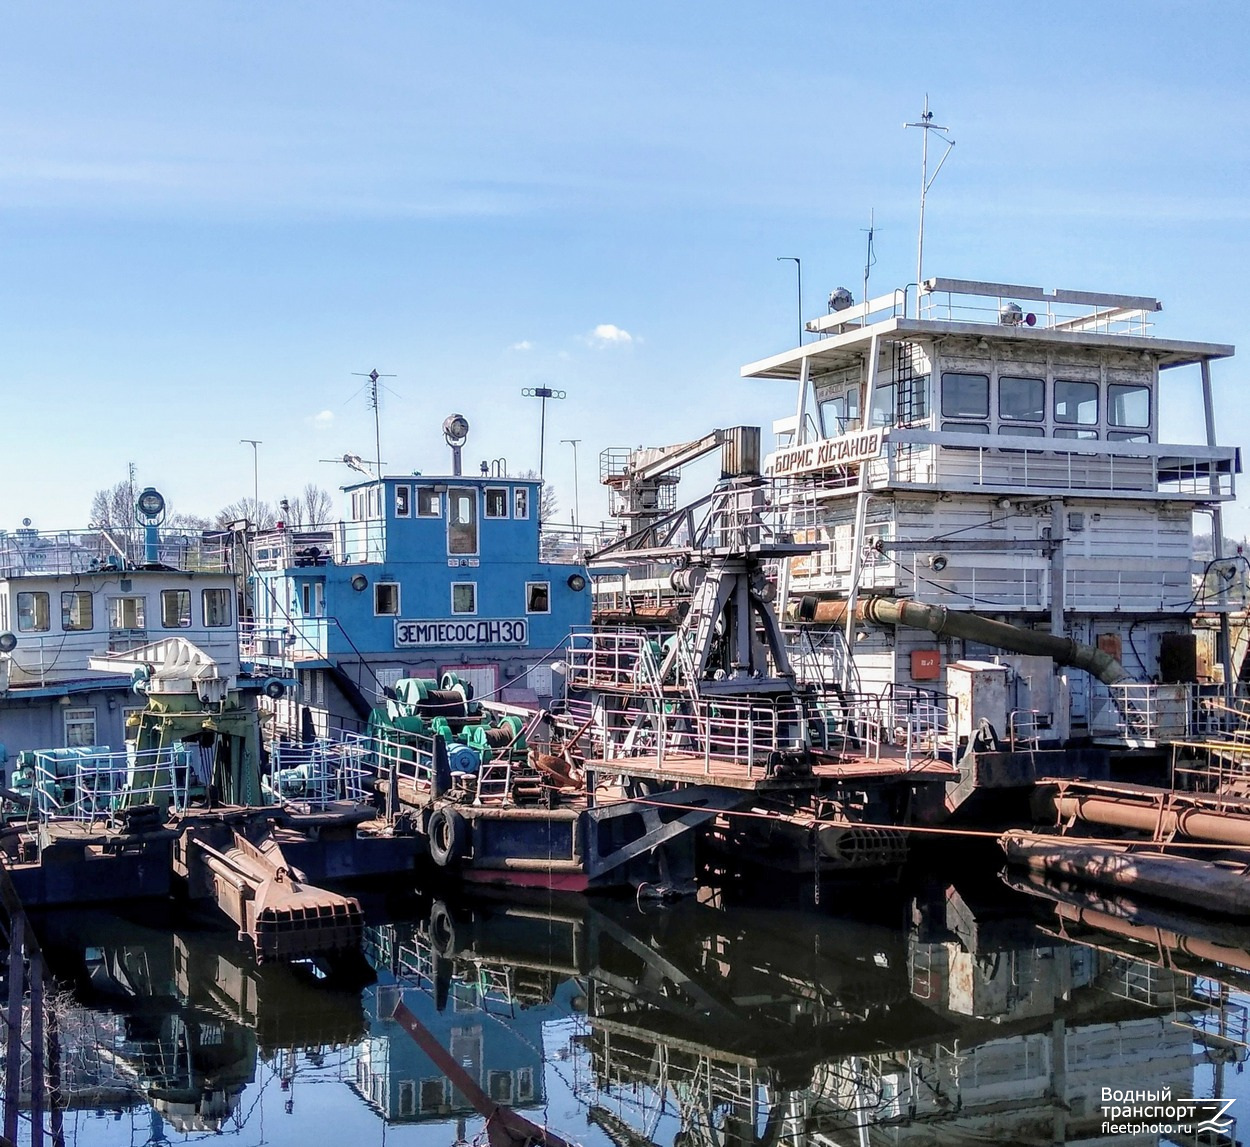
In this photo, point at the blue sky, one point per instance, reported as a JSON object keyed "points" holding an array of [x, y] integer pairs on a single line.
{"points": [[212, 214]]}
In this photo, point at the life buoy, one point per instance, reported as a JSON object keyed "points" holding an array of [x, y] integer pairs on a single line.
{"points": [[449, 837]]}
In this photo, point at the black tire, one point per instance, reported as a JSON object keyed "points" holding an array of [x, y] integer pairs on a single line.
{"points": [[442, 931], [449, 837]]}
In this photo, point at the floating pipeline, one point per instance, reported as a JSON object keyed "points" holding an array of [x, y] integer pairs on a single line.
{"points": [[1200, 884]]}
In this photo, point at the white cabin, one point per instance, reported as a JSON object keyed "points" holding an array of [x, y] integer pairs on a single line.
{"points": [[998, 448]]}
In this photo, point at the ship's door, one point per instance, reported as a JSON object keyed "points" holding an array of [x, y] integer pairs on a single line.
{"points": [[1079, 680]]}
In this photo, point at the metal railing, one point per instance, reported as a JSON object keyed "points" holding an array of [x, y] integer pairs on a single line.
{"points": [[90, 783], [951, 306], [30, 551], [324, 772], [1137, 712], [621, 658], [1021, 464]]}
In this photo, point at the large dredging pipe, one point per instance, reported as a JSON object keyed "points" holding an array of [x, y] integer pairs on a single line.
{"points": [[1212, 826], [945, 622]]}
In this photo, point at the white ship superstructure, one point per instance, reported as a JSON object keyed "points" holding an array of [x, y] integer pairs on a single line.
{"points": [[998, 449]]}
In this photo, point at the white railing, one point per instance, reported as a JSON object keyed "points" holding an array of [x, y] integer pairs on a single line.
{"points": [[300, 639], [91, 783], [613, 658], [1018, 464], [320, 773], [1048, 314], [29, 551], [1137, 712]]}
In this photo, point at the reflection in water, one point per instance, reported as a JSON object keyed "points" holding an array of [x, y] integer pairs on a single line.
{"points": [[943, 1016]]}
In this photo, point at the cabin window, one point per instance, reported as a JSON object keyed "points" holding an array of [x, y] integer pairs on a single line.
{"points": [[881, 411], [76, 610], [965, 427], [913, 400], [407, 1097], [32, 611], [463, 597], [538, 597], [79, 728], [1076, 403], [1069, 432], [1128, 405], [525, 1084], [840, 415], [521, 502], [313, 598], [965, 395], [500, 1086], [462, 521], [428, 505], [1021, 399], [1127, 436], [403, 501], [433, 1094], [128, 613], [216, 604], [175, 608], [496, 502], [385, 598]]}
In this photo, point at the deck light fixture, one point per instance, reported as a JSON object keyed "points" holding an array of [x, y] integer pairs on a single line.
{"points": [[359, 583], [150, 504], [576, 583], [937, 563]]}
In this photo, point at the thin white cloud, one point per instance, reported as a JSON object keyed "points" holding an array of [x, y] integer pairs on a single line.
{"points": [[609, 334], [322, 420], [524, 344]]}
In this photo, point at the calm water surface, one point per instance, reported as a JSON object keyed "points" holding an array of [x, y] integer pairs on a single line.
{"points": [[930, 1011]]}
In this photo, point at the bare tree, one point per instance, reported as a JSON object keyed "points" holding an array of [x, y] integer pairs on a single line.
{"points": [[189, 523], [261, 514], [113, 508], [312, 507]]}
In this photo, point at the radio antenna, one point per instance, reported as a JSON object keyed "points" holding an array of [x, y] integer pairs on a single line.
{"points": [[927, 125], [375, 403]]}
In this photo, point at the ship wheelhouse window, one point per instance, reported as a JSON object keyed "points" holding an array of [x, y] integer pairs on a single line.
{"points": [[538, 597], [1071, 432], [462, 521], [1076, 403], [386, 598], [76, 610], [1021, 399], [33, 612], [1127, 436], [175, 608], [463, 597], [496, 502], [965, 395], [1128, 405], [79, 728], [216, 605], [840, 414], [128, 613], [521, 502], [428, 503], [403, 501]]}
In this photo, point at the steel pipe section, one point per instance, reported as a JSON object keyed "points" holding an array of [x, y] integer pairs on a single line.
{"points": [[945, 622]]}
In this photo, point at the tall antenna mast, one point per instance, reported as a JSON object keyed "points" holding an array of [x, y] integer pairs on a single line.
{"points": [[870, 258], [927, 125], [375, 403]]}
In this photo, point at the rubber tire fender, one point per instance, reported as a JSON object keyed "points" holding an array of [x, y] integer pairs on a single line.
{"points": [[442, 931], [448, 837]]}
